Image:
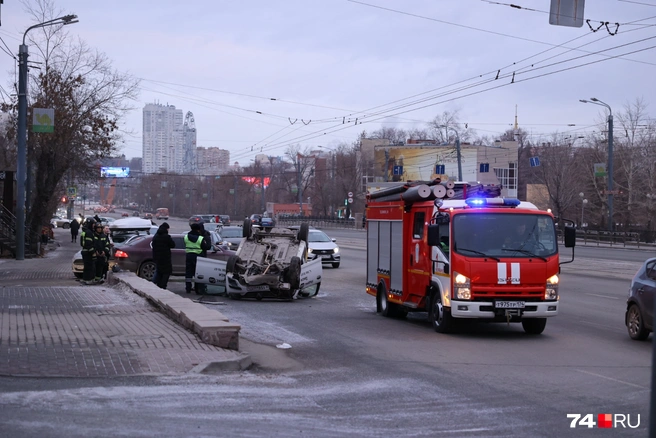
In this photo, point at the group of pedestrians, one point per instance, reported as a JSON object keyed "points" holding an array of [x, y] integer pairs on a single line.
{"points": [[96, 250]]}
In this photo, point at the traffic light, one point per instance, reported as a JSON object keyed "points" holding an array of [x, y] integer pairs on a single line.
{"points": [[64, 200]]}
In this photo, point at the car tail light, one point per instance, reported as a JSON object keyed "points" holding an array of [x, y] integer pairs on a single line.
{"points": [[120, 254]]}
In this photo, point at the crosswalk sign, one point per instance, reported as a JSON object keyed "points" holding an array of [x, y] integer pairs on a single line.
{"points": [[535, 161]]}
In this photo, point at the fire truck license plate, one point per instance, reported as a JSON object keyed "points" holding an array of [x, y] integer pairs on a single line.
{"points": [[509, 304]]}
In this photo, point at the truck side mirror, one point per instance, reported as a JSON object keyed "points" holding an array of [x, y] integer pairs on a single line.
{"points": [[570, 237], [434, 235]]}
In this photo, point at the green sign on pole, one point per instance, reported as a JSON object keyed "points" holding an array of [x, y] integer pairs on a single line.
{"points": [[600, 169], [43, 120]]}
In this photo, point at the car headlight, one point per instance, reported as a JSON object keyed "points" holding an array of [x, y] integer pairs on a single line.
{"points": [[336, 250], [461, 287], [551, 291], [309, 249]]}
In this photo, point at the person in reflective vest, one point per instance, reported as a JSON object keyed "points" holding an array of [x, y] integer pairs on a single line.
{"points": [[195, 244], [101, 246], [88, 252]]}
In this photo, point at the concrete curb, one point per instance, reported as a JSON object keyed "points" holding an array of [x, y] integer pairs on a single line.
{"points": [[210, 325]]}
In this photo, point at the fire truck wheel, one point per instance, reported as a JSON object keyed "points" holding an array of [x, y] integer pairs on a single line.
{"points": [[439, 315], [387, 309], [247, 229], [534, 326]]}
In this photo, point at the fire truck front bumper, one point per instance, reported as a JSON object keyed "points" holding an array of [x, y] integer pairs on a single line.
{"points": [[501, 310]]}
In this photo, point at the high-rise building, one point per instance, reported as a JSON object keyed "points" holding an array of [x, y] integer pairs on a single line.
{"points": [[162, 139], [212, 161]]}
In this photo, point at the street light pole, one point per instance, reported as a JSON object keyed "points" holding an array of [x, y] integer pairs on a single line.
{"points": [[21, 162], [583, 202], [594, 100]]}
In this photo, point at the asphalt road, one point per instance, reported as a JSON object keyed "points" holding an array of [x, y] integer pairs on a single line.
{"points": [[352, 372]]}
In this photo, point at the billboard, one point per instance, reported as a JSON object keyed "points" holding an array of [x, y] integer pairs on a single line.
{"points": [[114, 172], [423, 163]]}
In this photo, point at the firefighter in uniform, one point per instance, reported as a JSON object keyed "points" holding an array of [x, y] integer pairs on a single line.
{"points": [[194, 246], [88, 252], [101, 247]]}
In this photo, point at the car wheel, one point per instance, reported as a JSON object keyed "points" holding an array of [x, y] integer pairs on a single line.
{"points": [[232, 263], [234, 296], [147, 270], [77, 274], [439, 315], [335, 265], [304, 232], [247, 229], [635, 324], [66, 226], [534, 326], [294, 273]]}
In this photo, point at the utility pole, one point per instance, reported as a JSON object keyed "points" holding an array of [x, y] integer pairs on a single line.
{"points": [[298, 182]]}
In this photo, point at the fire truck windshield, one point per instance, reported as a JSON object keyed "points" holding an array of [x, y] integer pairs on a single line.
{"points": [[493, 235]]}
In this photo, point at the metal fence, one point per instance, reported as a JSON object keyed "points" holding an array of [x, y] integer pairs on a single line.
{"points": [[322, 222]]}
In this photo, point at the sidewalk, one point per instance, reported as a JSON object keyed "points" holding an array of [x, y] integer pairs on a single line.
{"points": [[51, 325]]}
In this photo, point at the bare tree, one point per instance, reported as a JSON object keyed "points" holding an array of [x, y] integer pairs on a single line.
{"points": [[558, 172], [89, 98]]}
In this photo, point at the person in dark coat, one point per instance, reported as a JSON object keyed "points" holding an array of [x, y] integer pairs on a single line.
{"points": [[162, 244], [195, 244], [75, 228], [102, 248], [88, 252]]}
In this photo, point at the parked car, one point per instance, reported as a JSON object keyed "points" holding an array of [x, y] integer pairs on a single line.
{"points": [[202, 219], [137, 255], [60, 222], [323, 247], [269, 264], [225, 220], [125, 214], [639, 316], [232, 235]]}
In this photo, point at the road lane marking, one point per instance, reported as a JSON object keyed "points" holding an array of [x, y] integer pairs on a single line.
{"points": [[610, 378], [603, 296]]}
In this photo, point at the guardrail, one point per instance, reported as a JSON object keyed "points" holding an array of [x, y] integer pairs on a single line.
{"points": [[614, 238]]}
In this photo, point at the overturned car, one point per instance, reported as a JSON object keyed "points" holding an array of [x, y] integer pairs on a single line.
{"points": [[269, 263]]}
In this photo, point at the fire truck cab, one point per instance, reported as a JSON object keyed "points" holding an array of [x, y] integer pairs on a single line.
{"points": [[482, 258]]}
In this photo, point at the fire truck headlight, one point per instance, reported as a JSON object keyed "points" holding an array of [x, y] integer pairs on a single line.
{"points": [[551, 291], [461, 286], [310, 250]]}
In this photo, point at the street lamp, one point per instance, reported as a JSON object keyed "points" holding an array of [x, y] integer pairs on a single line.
{"points": [[447, 127], [583, 203], [596, 101], [21, 162]]}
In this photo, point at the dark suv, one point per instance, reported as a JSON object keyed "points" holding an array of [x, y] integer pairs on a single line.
{"points": [[639, 316]]}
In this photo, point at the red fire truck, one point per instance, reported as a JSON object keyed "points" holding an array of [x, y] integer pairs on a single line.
{"points": [[481, 257]]}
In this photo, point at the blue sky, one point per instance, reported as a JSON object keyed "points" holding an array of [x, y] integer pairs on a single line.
{"points": [[332, 61]]}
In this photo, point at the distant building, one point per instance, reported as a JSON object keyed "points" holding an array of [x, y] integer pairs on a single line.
{"points": [[423, 160], [212, 161], [162, 139]]}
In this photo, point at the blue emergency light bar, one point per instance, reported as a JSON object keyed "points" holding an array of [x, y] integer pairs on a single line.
{"points": [[492, 202]]}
